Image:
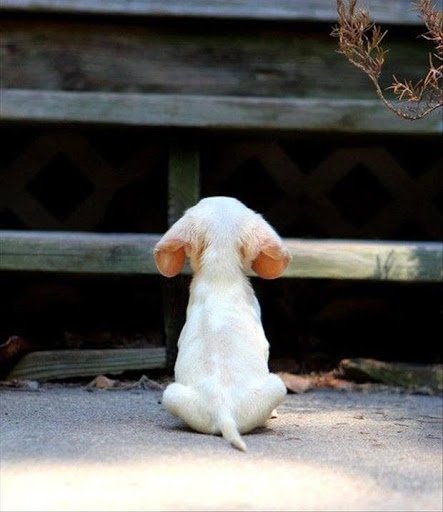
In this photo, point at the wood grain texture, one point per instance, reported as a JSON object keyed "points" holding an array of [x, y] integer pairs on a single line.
{"points": [[427, 378], [77, 252], [183, 192], [181, 59], [62, 364], [183, 178], [215, 113], [390, 261], [391, 11], [325, 259]]}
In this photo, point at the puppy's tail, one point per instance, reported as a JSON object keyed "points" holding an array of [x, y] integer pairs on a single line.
{"points": [[230, 432]]}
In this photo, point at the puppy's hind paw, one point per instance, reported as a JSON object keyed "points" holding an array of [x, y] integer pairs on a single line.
{"points": [[274, 414]]}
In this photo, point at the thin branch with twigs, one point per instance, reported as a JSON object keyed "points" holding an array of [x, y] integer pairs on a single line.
{"points": [[360, 42]]}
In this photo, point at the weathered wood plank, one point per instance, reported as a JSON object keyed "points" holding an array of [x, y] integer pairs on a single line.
{"points": [[411, 376], [183, 192], [77, 252], [62, 364], [217, 113], [394, 11], [183, 178], [390, 261], [326, 259], [285, 62]]}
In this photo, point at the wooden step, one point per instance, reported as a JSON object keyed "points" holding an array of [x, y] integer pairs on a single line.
{"points": [[63, 364], [392, 11], [84, 54], [77, 252], [132, 254], [210, 112]]}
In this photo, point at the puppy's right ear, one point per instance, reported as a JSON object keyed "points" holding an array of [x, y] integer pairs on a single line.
{"points": [[264, 251]]}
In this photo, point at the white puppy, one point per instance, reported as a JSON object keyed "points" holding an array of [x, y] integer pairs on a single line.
{"points": [[222, 381]]}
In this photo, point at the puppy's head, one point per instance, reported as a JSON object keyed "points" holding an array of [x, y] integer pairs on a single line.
{"points": [[222, 229]]}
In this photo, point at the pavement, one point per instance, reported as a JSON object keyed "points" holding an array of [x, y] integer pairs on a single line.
{"points": [[64, 448]]}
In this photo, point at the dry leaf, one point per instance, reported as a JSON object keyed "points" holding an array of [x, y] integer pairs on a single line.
{"points": [[302, 383], [101, 382], [297, 383], [328, 380], [142, 383], [12, 351]]}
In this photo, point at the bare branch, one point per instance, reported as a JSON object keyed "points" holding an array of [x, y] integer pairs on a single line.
{"points": [[359, 40]]}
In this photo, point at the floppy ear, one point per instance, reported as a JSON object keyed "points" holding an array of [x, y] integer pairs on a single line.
{"points": [[267, 255], [170, 252], [169, 256], [271, 261]]}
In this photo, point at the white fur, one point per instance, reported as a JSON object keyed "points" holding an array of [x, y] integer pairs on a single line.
{"points": [[222, 381]]}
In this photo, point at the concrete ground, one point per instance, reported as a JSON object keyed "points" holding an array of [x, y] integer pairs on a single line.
{"points": [[63, 448]]}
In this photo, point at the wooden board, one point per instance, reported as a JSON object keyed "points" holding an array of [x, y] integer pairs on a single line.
{"points": [[425, 378], [215, 113], [390, 261], [326, 259], [183, 178], [152, 57], [392, 11], [63, 364], [77, 252], [183, 192]]}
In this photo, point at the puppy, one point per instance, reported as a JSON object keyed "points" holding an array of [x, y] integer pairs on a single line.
{"points": [[222, 381]]}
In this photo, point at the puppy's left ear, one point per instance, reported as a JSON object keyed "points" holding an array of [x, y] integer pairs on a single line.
{"points": [[269, 257]]}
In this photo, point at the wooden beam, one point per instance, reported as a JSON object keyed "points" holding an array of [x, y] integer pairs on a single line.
{"points": [[183, 178], [183, 192], [77, 252], [276, 62], [210, 112], [325, 259], [412, 376], [63, 364], [393, 11], [389, 261]]}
